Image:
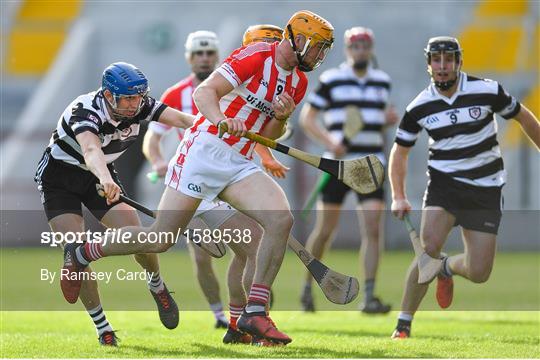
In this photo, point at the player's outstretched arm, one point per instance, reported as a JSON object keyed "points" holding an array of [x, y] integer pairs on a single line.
{"points": [[270, 163], [529, 124], [397, 173], [308, 121], [179, 119], [96, 163]]}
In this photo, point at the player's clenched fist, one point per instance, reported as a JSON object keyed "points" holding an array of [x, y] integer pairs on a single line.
{"points": [[111, 190], [235, 127], [400, 207], [283, 106]]}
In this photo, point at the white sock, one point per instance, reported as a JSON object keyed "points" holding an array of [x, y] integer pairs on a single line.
{"points": [[217, 309], [405, 316], [155, 283], [255, 308], [100, 320]]}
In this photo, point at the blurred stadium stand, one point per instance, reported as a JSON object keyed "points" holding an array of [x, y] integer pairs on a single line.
{"points": [[52, 53]]}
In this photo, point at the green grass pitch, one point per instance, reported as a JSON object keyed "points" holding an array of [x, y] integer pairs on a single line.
{"points": [[499, 319]]}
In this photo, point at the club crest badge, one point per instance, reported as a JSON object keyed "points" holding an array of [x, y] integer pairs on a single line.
{"points": [[475, 112]]}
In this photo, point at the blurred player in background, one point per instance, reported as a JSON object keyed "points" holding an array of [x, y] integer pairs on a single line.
{"points": [[465, 169], [357, 86], [256, 88], [93, 131]]}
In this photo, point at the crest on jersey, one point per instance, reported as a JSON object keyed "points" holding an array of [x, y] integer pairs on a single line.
{"points": [[475, 112], [126, 132]]}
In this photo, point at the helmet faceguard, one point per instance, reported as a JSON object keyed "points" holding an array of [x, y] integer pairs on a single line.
{"points": [[124, 80], [318, 34], [262, 33], [201, 40], [444, 50]]}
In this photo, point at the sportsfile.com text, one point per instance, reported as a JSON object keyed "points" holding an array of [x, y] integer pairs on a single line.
{"points": [[206, 236]]}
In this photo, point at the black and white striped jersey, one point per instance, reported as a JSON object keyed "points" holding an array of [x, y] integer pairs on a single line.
{"points": [[339, 88], [462, 129], [89, 112]]}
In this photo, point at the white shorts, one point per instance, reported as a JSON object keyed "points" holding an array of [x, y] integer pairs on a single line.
{"points": [[214, 213], [204, 165]]}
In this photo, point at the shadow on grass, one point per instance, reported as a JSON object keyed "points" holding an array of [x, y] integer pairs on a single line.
{"points": [[350, 333], [244, 352]]}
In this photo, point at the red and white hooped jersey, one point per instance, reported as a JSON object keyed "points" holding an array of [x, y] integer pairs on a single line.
{"points": [[257, 79], [180, 97]]}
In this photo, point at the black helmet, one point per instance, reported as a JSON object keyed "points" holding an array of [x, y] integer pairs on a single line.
{"points": [[444, 44]]}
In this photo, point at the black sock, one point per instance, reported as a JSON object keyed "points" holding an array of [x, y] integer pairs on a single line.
{"points": [[369, 287], [404, 324]]}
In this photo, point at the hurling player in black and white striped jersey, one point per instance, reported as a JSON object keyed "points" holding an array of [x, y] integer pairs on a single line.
{"points": [[465, 169], [93, 131], [357, 86]]}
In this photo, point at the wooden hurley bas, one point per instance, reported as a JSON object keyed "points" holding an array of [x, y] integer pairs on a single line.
{"points": [[363, 175]]}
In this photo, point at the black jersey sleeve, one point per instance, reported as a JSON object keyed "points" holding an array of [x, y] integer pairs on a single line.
{"points": [[152, 109], [408, 130], [505, 104], [83, 119]]}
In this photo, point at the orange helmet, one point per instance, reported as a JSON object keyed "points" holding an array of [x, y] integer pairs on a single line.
{"points": [[319, 33], [266, 33]]}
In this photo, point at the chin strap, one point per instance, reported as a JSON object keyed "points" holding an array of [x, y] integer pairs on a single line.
{"points": [[301, 66], [445, 85]]}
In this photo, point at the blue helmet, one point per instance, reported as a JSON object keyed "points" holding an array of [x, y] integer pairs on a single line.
{"points": [[123, 79]]}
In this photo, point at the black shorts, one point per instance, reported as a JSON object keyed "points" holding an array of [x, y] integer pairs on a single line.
{"points": [[64, 187], [335, 192], [475, 208]]}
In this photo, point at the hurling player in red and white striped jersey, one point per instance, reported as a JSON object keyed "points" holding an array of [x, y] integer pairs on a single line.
{"points": [[256, 89], [201, 53]]}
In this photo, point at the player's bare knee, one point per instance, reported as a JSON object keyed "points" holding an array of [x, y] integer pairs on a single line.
{"points": [[279, 221], [431, 249], [479, 277], [431, 243], [479, 274]]}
